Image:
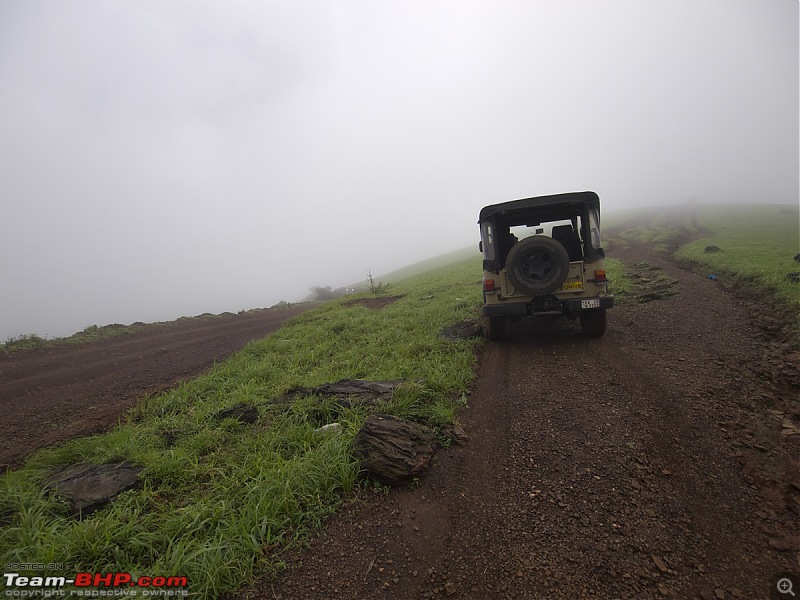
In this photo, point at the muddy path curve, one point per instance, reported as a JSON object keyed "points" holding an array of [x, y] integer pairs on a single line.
{"points": [[50, 395], [656, 462]]}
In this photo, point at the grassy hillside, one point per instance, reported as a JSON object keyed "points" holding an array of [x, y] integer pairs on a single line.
{"points": [[219, 499], [443, 260], [755, 244]]}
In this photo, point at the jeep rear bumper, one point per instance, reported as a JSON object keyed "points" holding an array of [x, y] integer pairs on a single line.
{"points": [[521, 309]]}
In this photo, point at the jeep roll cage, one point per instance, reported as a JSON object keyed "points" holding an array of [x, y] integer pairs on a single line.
{"points": [[582, 209]]}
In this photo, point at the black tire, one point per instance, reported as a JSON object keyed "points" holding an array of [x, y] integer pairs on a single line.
{"points": [[537, 265], [496, 328], [593, 322]]}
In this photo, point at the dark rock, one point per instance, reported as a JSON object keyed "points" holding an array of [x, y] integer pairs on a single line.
{"points": [[462, 330], [358, 387], [649, 296], [87, 487], [712, 249], [659, 562], [665, 284], [797, 258], [367, 392], [244, 413], [455, 434], [793, 277], [394, 450], [782, 545], [292, 395], [170, 436]]}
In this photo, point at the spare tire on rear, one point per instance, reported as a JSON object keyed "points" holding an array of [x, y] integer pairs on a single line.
{"points": [[537, 265]]}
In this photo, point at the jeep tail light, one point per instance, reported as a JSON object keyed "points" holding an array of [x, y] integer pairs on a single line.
{"points": [[600, 275], [488, 285]]}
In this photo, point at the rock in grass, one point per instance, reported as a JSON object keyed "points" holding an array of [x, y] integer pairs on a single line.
{"points": [[358, 387], [712, 249], [332, 428], [394, 450], [360, 390], [793, 277], [88, 487], [648, 297], [243, 412], [462, 330]]}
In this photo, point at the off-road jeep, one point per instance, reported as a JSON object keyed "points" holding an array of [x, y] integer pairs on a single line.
{"points": [[542, 256]]}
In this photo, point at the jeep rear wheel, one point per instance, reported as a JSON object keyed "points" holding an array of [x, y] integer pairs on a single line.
{"points": [[593, 322], [496, 328], [537, 265]]}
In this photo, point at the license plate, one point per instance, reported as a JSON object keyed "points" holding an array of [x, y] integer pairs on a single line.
{"points": [[593, 303], [572, 285]]}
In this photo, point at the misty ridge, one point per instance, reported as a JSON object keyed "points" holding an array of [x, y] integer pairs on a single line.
{"points": [[168, 160], [685, 213]]}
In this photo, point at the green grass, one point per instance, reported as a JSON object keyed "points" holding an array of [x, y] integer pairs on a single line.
{"points": [[220, 500], [619, 284], [26, 341], [757, 245], [463, 254]]}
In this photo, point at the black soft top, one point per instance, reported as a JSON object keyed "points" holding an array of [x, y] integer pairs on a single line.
{"points": [[558, 202]]}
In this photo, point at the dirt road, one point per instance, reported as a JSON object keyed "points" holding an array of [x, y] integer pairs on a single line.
{"points": [[51, 395], [657, 462]]}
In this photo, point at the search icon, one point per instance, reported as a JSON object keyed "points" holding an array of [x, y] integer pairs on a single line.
{"points": [[785, 586]]}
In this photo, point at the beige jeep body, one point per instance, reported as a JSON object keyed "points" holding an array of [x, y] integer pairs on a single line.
{"points": [[543, 257]]}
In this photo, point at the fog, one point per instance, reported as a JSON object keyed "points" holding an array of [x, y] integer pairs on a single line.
{"points": [[160, 159]]}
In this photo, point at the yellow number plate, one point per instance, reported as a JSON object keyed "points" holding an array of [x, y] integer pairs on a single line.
{"points": [[572, 285]]}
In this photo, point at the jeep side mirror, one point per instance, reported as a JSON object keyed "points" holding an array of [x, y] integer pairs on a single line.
{"points": [[480, 246]]}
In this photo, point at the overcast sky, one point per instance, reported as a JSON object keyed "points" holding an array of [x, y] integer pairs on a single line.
{"points": [[165, 158]]}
